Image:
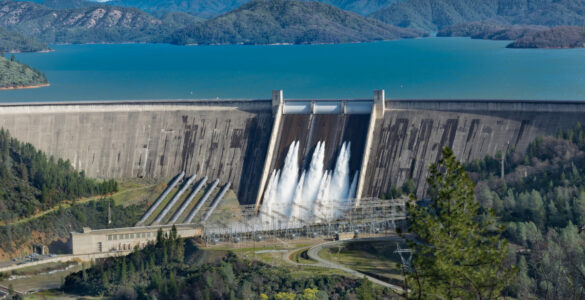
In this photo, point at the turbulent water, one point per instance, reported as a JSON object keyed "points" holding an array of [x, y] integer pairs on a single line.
{"points": [[312, 196]]}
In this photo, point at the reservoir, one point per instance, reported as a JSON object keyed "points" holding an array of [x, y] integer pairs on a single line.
{"points": [[447, 68]]}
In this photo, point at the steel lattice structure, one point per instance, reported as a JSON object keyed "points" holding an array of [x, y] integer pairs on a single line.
{"points": [[371, 215]]}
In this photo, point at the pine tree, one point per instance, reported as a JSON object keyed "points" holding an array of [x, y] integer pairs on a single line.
{"points": [[458, 251]]}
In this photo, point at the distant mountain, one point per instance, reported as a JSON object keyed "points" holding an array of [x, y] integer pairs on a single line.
{"points": [[362, 7], [213, 8], [65, 4], [15, 42], [199, 8], [287, 21], [95, 24], [433, 15]]}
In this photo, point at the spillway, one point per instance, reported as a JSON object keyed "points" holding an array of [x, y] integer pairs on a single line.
{"points": [[316, 160]]}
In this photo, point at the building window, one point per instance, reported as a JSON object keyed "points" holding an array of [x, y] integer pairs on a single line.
{"points": [[121, 236], [109, 237], [126, 236], [115, 237]]}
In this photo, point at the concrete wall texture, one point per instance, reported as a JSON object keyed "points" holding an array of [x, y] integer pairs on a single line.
{"points": [[229, 140], [223, 140], [412, 133]]}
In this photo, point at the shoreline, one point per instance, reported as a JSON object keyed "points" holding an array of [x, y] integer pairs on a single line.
{"points": [[22, 87]]}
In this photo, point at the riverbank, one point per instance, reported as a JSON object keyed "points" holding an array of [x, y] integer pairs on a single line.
{"points": [[20, 87]]}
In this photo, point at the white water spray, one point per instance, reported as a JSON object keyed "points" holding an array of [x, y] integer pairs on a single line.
{"points": [[315, 196]]}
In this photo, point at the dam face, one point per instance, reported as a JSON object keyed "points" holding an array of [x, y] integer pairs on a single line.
{"points": [[244, 141], [411, 134], [225, 140]]}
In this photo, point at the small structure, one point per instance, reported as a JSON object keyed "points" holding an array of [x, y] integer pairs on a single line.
{"points": [[123, 239]]}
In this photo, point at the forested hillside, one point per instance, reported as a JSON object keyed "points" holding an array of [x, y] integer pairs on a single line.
{"points": [[542, 202], [199, 8], [281, 21], [30, 181], [16, 75], [53, 228], [432, 15], [556, 37], [213, 8], [490, 31], [16, 42], [175, 269]]}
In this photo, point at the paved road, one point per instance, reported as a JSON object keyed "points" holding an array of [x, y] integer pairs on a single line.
{"points": [[65, 258], [313, 253]]}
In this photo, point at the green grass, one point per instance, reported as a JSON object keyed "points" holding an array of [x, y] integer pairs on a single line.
{"points": [[189, 207], [43, 268], [376, 259], [137, 191], [160, 207], [300, 257], [129, 192], [41, 281], [227, 211]]}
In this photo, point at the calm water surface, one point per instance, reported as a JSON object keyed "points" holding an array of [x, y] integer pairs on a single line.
{"points": [[423, 68]]}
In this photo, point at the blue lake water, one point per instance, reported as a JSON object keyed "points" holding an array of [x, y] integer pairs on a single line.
{"points": [[452, 68]]}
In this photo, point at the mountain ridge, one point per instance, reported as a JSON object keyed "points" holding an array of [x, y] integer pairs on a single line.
{"points": [[285, 21], [433, 15]]}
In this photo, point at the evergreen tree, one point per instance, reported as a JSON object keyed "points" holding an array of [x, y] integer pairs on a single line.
{"points": [[458, 252]]}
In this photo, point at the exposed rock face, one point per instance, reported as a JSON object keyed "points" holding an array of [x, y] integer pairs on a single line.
{"points": [[101, 23]]}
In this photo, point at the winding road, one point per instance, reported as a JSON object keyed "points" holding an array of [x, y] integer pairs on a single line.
{"points": [[313, 253]]}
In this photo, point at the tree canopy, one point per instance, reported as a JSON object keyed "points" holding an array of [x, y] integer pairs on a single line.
{"points": [[458, 251]]}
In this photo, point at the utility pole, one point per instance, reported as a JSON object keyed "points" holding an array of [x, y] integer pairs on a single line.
{"points": [[109, 212], [502, 160], [502, 165]]}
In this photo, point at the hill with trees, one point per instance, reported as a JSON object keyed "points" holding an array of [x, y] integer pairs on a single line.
{"points": [[524, 36], [433, 15], [16, 75], [31, 181], [214, 8], [294, 22], [490, 31], [542, 202], [556, 37], [15, 42], [199, 8]]}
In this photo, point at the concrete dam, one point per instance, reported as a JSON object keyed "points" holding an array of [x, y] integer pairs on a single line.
{"points": [[245, 141]]}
